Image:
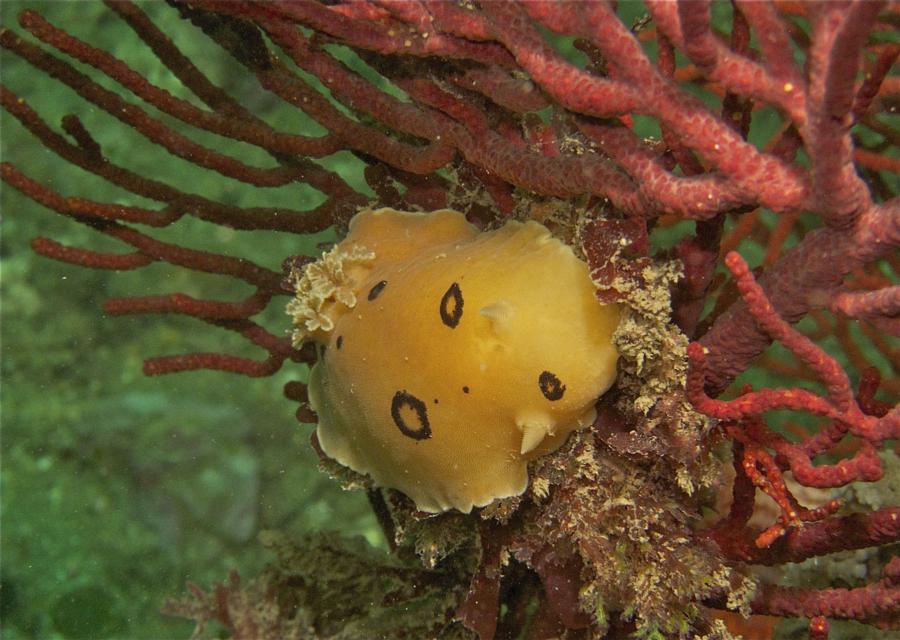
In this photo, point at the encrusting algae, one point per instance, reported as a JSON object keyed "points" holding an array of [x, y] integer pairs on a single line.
{"points": [[450, 358]]}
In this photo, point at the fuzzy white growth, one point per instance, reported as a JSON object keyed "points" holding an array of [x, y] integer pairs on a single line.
{"points": [[319, 285]]}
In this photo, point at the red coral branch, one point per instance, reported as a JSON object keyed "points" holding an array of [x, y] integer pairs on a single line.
{"points": [[839, 404], [473, 105], [875, 76], [90, 259], [250, 132], [838, 38], [839, 533], [803, 278], [141, 121], [877, 603], [758, 177], [883, 302], [764, 470], [87, 156]]}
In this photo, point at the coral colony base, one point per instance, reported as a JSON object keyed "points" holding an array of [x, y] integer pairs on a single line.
{"points": [[459, 360]]}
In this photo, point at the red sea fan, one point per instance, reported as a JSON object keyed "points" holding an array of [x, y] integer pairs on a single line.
{"points": [[777, 140]]}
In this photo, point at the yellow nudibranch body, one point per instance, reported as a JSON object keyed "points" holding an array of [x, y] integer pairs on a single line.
{"points": [[449, 357]]}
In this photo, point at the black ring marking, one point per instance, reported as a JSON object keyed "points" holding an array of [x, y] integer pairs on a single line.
{"points": [[452, 313], [465, 389], [376, 290], [550, 386], [402, 398], [339, 342]]}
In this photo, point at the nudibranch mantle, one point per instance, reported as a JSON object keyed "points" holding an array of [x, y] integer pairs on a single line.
{"points": [[450, 358]]}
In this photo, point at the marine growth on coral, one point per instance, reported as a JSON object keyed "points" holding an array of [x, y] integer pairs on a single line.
{"points": [[608, 332]]}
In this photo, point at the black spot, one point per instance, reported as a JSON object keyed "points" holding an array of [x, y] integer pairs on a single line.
{"points": [[402, 398], [452, 306], [375, 291], [550, 386], [339, 342], [435, 400], [465, 389]]}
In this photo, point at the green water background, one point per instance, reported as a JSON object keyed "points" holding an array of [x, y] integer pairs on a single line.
{"points": [[118, 489]]}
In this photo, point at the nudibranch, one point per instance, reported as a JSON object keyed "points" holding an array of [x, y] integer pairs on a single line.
{"points": [[449, 358]]}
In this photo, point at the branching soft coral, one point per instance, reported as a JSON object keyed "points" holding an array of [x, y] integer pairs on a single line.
{"points": [[775, 139]]}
